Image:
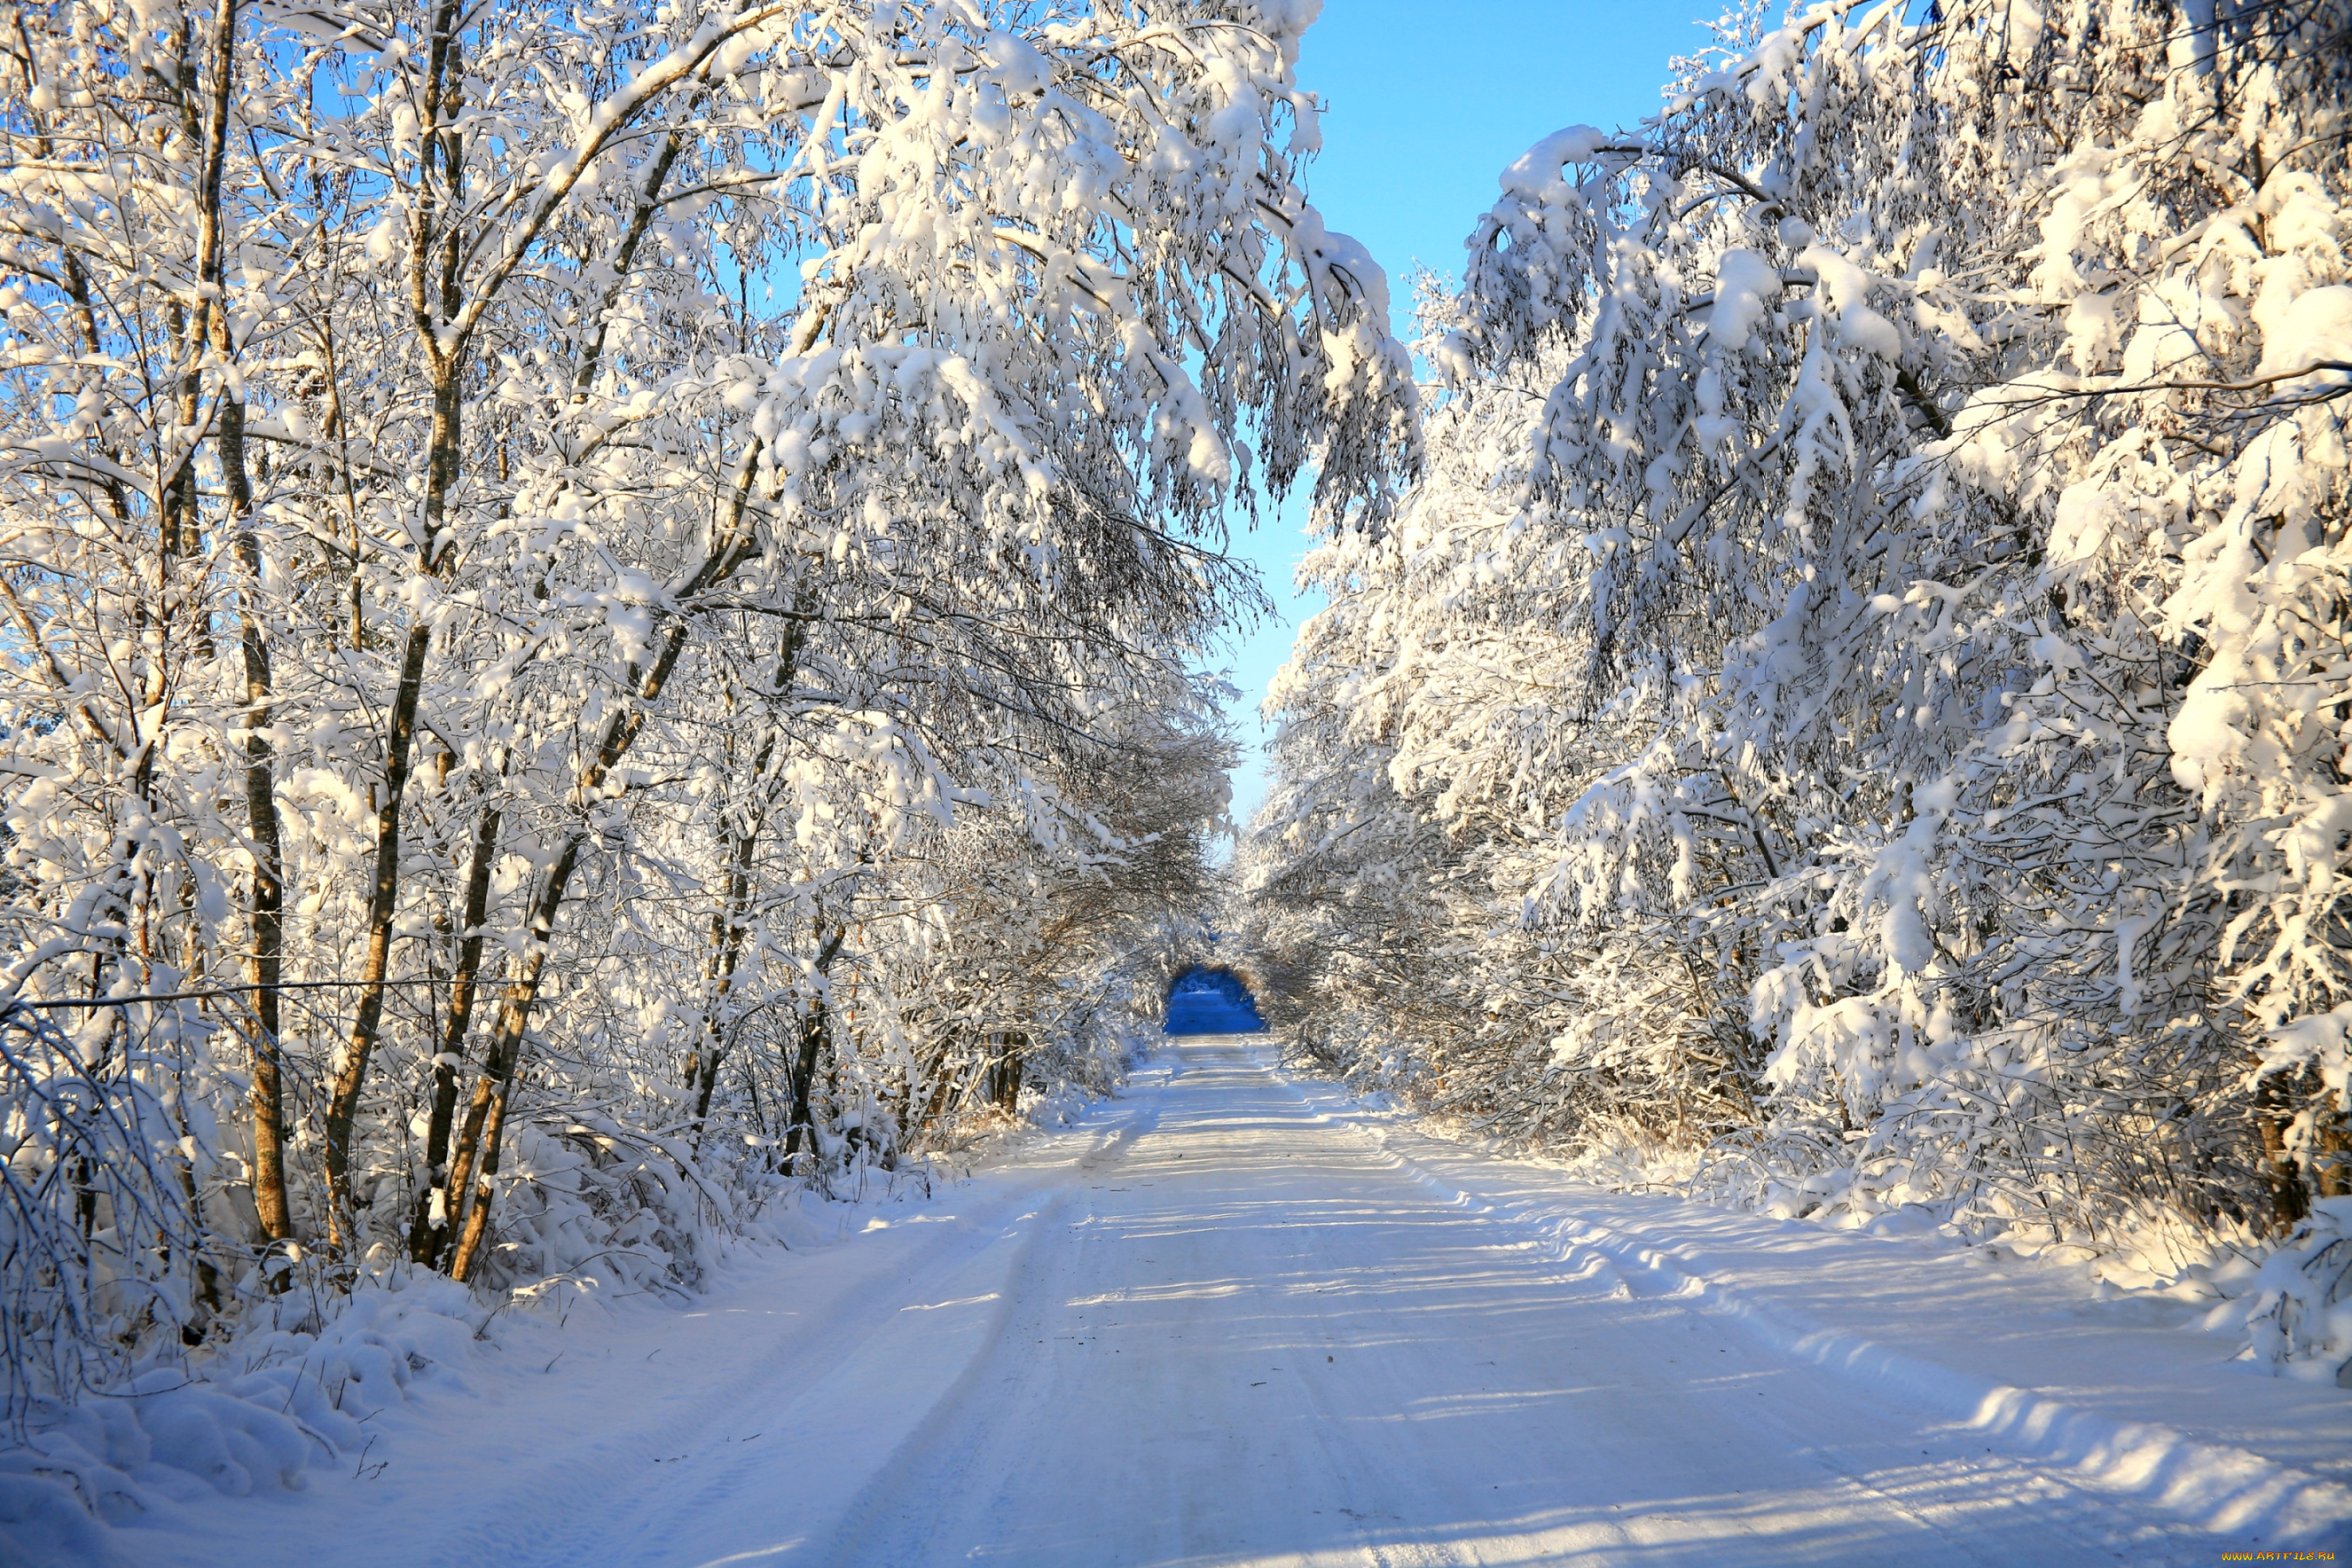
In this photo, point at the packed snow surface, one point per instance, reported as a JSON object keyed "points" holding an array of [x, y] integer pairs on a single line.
{"points": [[1233, 1317]]}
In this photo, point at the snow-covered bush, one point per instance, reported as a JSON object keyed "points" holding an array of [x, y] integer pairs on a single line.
{"points": [[1860, 680], [2302, 1308], [105, 1243]]}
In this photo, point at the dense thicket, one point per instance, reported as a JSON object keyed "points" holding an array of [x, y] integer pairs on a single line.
{"points": [[1862, 686], [600, 599]]}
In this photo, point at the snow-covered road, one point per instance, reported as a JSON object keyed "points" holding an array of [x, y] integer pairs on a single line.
{"points": [[1225, 1322]]}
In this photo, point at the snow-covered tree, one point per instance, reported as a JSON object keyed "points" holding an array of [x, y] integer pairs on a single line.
{"points": [[574, 570], [1870, 633]]}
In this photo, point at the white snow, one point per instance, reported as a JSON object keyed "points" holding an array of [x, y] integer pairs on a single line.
{"points": [[1536, 174], [1746, 284], [2316, 329], [1235, 1317]]}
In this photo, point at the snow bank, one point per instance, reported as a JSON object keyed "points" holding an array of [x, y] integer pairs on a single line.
{"points": [[300, 1387], [295, 1391], [2288, 1303], [293, 1394]]}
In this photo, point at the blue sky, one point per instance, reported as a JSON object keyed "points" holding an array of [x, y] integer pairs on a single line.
{"points": [[1427, 104]]}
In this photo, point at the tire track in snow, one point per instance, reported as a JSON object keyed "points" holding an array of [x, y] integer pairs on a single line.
{"points": [[2085, 1534], [937, 1495], [925, 1451], [1572, 1264], [602, 1487], [2225, 1490], [1377, 1437], [1334, 1355]]}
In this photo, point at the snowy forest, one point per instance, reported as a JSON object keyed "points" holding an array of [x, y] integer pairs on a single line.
{"points": [[1853, 711], [609, 618], [602, 606]]}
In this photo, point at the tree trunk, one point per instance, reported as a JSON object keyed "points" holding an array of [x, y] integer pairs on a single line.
{"points": [[799, 1129], [445, 453], [727, 925], [2334, 1166], [268, 904], [718, 969], [494, 1090], [351, 1076], [267, 900], [2274, 1111], [800, 1132], [1008, 1071], [383, 902], [428, 1233]]}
